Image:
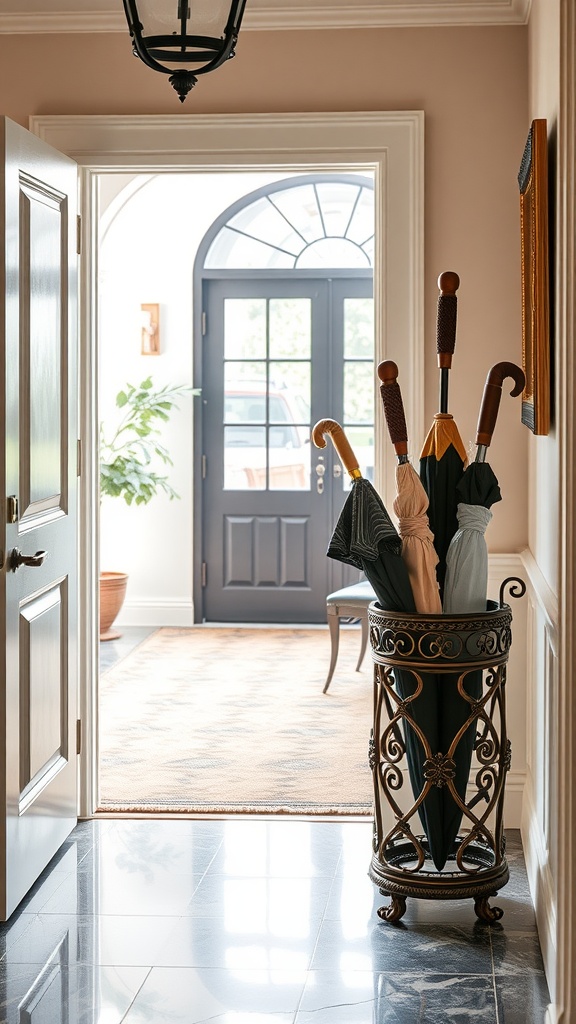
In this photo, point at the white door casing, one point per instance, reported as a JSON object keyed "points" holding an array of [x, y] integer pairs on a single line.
{"points": [[39, 469], [391, 144]]}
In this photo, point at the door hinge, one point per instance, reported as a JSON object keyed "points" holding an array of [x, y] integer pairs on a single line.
{"points": [[204, 466], [78, 736], [78, 457], [204, 323], [204, 574], [12, 509], [79, 235]]}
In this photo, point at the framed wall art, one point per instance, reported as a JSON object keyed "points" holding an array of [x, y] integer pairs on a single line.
{"points": [[533, 182]]}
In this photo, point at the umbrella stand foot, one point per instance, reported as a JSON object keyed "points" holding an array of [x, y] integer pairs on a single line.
{"points": [[395, 909], [485, 912]]}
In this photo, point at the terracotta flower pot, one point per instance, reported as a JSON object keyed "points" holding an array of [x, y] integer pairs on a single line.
{"points": [[112, 593]]}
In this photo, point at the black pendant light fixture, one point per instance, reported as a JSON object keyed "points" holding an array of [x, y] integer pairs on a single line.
{"points": [[184, 38]]}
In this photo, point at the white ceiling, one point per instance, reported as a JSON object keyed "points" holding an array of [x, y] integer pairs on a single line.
{"points": [[17, 16]]}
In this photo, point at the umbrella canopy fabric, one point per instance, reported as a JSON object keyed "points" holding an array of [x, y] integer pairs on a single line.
{"points": [[466, 583], [364, 535], [443, 456], [410, 505], [411, 502], [366, 538]]}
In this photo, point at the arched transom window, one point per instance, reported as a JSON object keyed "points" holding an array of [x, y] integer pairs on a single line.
{"points": [[305, 223]]}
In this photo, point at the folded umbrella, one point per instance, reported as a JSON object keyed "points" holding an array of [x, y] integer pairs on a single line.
{"points": [[411, 502], [364, 535], [443, 456], [418, 551], [467, 558], [467, 581]]}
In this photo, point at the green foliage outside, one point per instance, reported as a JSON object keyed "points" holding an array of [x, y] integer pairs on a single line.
{"points": [[127, 459]]}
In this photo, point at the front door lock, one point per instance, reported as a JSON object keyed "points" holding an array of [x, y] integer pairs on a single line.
{"points": [[16, 559]]}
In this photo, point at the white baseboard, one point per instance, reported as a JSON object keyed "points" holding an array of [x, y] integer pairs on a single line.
{"points": [[542, 888], [156, 613]]}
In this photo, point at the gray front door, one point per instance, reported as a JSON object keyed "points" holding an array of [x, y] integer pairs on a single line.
{"points": [[278, 355]]}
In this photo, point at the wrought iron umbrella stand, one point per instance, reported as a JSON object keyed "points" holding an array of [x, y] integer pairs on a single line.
{"points": [[457, 648]]}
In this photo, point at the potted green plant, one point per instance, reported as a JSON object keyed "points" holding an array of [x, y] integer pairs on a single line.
{"points": [[128, 469]]}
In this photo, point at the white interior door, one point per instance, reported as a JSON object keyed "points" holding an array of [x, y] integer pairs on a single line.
{"points": [[38, 616]]}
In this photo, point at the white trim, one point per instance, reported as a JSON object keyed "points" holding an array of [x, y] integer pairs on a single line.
{"points": [[294, 15], [389, 143], [564, 728], [156, 613]]}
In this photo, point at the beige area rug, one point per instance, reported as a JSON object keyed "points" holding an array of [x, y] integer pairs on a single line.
{"points": [[234, 720]]}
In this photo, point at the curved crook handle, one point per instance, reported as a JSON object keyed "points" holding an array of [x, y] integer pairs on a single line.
{"points": [[393, 406], [340, 442], [448, 284], [491, 398]]}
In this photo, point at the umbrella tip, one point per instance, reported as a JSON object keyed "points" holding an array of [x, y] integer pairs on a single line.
{"points": [[448, 282]]}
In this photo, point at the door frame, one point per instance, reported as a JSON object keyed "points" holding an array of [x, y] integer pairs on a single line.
{"points": [[391, 144]]}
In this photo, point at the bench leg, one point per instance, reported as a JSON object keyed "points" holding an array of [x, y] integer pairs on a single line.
{"points": [[334, 627], [363, 645]]}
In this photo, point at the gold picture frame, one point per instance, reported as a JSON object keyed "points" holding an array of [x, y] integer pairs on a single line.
{"points": [[533, 182]]}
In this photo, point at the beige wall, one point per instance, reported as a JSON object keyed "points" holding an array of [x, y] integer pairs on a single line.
{"points": [[472, 85]]}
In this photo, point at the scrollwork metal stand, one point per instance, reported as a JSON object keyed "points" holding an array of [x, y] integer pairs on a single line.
{"points": [[450, 650]]}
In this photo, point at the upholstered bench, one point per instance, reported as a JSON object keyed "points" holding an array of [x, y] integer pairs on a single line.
{"points": [[351, 603]]}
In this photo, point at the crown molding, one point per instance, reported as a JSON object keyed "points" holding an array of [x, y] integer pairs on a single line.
{"points": [[266, 15]]}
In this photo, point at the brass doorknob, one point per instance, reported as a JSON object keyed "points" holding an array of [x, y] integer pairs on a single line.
{"points": [[16, 559]]}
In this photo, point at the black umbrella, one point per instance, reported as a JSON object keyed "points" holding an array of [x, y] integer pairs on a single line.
{"points": [[443, 456], [364, 535], [366, 538], [466, 585]]}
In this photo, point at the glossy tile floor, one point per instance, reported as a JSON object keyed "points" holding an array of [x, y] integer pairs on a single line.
{"points": [[250, 921]]}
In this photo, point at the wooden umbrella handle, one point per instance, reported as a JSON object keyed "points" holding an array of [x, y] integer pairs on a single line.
{"points": [[393, 406], [492, 395], [448, 283], [340, 442]]}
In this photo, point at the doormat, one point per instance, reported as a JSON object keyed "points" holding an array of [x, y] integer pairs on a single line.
{"points": [[233, 720]]}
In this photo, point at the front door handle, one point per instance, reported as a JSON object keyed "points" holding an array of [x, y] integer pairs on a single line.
{"points": [[16, 559]]}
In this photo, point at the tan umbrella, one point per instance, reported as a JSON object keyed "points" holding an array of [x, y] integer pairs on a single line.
{"points": [[411, 502]]}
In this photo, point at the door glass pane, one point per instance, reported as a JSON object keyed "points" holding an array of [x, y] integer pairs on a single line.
{"points": [[267, 402], [289, 460], [290, 328], [244, 458], [362, 442], [358, 329], [290, 393], [358, 392], [245, 329], [245, 392]]}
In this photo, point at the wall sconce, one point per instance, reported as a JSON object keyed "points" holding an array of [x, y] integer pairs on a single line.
{"points": [[150, 329], [169, 33]]}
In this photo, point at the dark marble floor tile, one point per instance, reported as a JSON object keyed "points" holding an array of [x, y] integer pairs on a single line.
{"points": [[516, 951], [358, 997], [151, 853], [521, 999], [57, 994], [398, 948], [181, 995]]}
